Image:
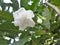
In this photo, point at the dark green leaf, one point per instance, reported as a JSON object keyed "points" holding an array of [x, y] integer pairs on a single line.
{"points": [[21, 42]]}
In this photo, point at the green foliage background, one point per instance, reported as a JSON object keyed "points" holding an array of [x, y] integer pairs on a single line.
{"points": [[47, 33]]}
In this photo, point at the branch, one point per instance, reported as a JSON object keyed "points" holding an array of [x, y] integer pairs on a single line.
{"points": [[54, 7]]}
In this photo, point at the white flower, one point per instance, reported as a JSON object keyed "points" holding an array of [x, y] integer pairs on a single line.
{"points": [[23, 18], [39, 21]]}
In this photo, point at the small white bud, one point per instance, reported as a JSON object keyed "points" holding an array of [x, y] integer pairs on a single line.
{"points": [[37, 36], [6, 38], [56, 15], [19, 34], [54, 21], [29, 39], [17, 39], [55, 40], [39, 21]]}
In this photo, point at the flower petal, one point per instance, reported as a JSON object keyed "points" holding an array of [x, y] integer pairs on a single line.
{"points": [[30, 13], [31, 23], [18, 13]]}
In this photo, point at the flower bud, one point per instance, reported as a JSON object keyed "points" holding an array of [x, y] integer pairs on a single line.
{"points": [[39, 21]]}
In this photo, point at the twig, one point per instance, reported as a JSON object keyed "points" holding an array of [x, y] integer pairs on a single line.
{"points": [[54, 7]]}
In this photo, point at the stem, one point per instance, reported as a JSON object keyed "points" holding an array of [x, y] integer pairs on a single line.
{"points": [[54, 7]]}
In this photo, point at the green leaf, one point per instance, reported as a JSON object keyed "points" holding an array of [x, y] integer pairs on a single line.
{"points": [[56, 2], [46, 24], [58, 42], [40, 8], [21, 42], [39, 31], [54, 26], [46, 13], [15, 5], [24, 3], [6, 24], [3, 42], [34, 5], [6, 15]]}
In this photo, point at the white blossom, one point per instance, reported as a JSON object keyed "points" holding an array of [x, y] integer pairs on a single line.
{"points": [[23, 18]]}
